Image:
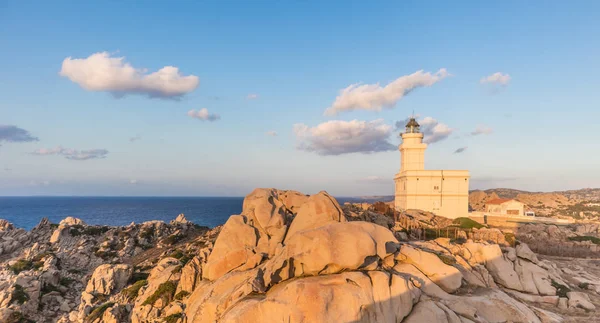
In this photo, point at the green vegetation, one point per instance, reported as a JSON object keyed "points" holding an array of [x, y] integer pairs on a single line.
{"points": [[585, 238], [138, 276], [18, 317], [23, 264], [466, 223], [148, 233], [19, 295], [66, 281], [561, 290], [48, 288], [172, 239], [511, 239], [448, 260], [584, 285], [177, 254], [173, 318], [177, 269], [165, 292], [106, 255], [181, 295], [98, 312], [133, 291]]}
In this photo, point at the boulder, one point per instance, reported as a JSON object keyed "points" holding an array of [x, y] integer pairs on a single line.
{"points": [[534, 279], [318, 210], [108, 278], [581, 300], [347, 297], [330, 249], [445, 276], [524, 252]]}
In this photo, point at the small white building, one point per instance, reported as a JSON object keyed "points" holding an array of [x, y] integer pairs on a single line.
{"points": [[505, 206]]}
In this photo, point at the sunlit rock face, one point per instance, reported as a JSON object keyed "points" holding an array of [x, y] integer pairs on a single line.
{"points": [[287, 257]]}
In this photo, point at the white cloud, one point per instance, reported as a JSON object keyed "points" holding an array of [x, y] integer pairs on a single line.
{"points": [[482, 130], [72, 154], [203, 115], [133, 181], [497, 78], [460, 150], [374, 97], [252, 96], [433, 130], [101, 72], [272, 133], [10, 133], [343, 137]]}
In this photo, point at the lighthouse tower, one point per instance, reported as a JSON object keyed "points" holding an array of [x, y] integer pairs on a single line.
{"points": [[443, 192]]}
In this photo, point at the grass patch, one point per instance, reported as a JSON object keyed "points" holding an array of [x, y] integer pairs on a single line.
{"points": [[181, 295], [466, 223], [138, 276], [173, 318], [19, 295], [21, 265], [561, 290], [586, 238], [177, 254], [133, 291], [98, 312], [165, 292]]}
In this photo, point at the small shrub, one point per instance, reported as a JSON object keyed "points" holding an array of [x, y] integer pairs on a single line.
{"points": [[466, 223], [106, 255], [584, 285], [459, 240], [95, 231], [66, 281], [21, 265], [561, 290], [18, 317], [172, 239], [177, 254], [177, 269], [76, 230], [585, 238], [448, 260], [181, 295], [510, 239], [173, 318], [138, 276], [98, 312], [19, 295], [133, 291], [48, 288], [165, 292], [148, 233]]}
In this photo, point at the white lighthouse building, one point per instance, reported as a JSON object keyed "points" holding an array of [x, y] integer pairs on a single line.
{"points": [[443, 192]]}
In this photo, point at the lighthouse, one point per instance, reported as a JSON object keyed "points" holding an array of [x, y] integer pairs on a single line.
{"points": [[442, 192]]}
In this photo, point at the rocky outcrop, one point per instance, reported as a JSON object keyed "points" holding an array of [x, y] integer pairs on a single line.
{"points": [[287, 257]]}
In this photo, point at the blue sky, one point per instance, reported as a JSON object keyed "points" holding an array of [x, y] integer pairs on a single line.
{"points": [[264, 67]]}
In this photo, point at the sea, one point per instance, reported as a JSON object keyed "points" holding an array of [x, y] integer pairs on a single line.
{"points": [[26, 212]]}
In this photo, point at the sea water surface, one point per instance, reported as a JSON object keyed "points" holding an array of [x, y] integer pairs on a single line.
{"points": [[26, 212]]}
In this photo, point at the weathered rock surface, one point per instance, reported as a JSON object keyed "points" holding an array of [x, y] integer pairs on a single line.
{"points": [[287, 257]]}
